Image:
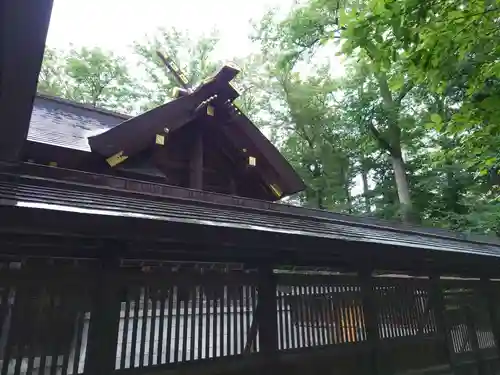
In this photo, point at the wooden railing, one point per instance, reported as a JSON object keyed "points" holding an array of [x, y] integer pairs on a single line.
{"points": [[103, 319]]}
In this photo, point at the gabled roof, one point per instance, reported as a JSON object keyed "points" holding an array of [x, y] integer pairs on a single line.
{"points": [[138, 133], [62, 123]]}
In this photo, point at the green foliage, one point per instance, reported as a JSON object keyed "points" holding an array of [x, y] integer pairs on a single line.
{"points": [[90, 76], [421, 92], [193, 56], [411, 129]]}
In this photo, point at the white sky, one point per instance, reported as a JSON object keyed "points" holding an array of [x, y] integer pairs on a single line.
{"points": [[115, 24]]}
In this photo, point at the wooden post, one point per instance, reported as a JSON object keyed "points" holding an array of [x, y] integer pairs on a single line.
{"points": [[266, 311], [23, 30], [472, 333], [196, 163], [370, 312], [437, 301], [104, 321], [489, 294]]}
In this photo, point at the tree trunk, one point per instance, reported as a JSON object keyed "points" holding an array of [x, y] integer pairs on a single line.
{"points": [[403, 189], [393, 107], [366, 187]]}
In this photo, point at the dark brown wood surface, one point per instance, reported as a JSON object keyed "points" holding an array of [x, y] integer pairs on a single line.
{"points": [[23, 30]]}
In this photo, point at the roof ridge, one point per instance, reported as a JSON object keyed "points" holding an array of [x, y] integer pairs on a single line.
{"points": [[87, 107]]}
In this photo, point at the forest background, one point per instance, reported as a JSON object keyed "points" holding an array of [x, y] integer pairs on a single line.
{"points": [[408, 130]]}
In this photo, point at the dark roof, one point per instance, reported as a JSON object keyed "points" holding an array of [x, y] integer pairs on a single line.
{"points": [[63, 123], [271, 229], [137, 133]]}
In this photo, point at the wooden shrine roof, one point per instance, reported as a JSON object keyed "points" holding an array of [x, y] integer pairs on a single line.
{"points": [[63, 123], [137, 133], [73, 126], [205, 219]]}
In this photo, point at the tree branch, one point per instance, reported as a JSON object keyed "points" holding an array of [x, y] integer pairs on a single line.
{"points": [[404, 91]]}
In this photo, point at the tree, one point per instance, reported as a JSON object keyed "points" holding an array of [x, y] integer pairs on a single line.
{"points": [[193, 56], [318, 23], [89, 76], [50, 80]]}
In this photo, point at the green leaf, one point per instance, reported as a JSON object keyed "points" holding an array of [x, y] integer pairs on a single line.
{"points": [[490, 161], [435, 118], [396, 83]]}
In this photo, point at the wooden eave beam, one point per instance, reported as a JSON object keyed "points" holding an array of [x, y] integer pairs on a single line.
{"points": [[24, 26]]}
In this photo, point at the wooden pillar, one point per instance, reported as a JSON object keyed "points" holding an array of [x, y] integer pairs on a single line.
{"points": [[370, 312], [196, 162], [23, 31], [491, 298], [266, 311], [437, 302], [472, 333], [104, 321]]}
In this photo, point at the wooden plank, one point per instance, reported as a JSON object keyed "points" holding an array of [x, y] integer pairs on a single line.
{"points": [[266, 316], [104, 322], [371, 321], [196, 162], [22, 42], [126, 328], [170, 322]]}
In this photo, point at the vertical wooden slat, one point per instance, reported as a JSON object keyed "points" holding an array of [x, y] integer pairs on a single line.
{"points": [[50, 343], [248, 315], [288, 334], [7, 355], [352, 315], [207, 323], [387, 301], [152, 325], [170, 322], [324, 315], [185, 321], [177, 323], [342, 315], [234, 302], [145, 303], [72, 313], [400, 300], [255, 303], [135, 327], [301, 308], [241, 317], [327, 315], [303, 293], [200, 322], [292, 326], [281, 325], [161, 327], [314, 315], [222, 321], [80, 325], [193, 301], [370, 314], [57, 313], [215, 309], [125, 335]]}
